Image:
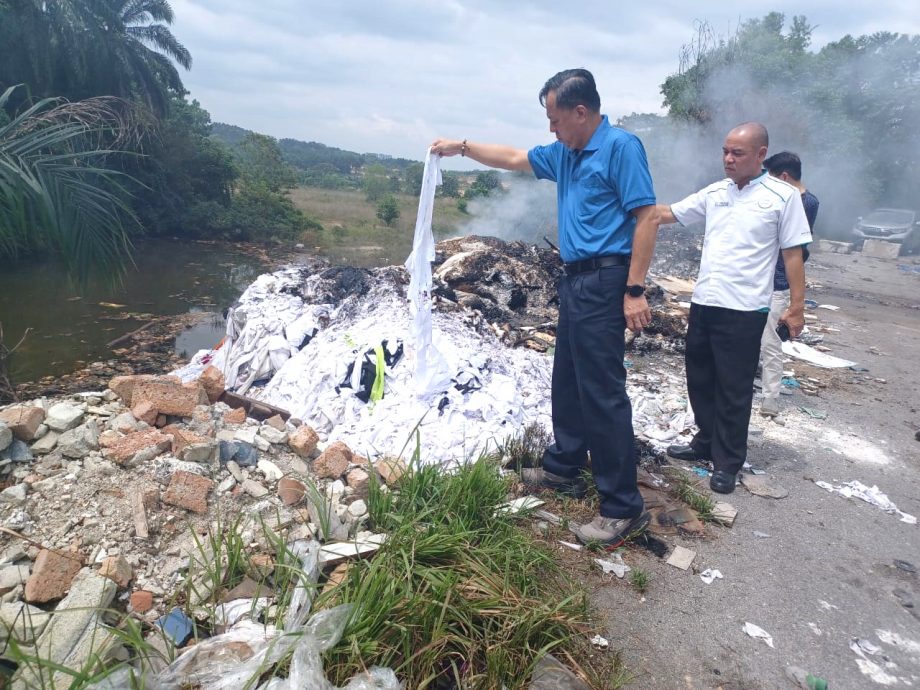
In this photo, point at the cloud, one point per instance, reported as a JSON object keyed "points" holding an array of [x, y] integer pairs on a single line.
{"points": [[389, 76]]}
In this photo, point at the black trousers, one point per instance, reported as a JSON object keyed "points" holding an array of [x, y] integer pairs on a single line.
{"points": [[591, 411], [723, 346]]}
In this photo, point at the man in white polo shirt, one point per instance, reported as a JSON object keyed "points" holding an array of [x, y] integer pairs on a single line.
{"points": [[750, 217]]}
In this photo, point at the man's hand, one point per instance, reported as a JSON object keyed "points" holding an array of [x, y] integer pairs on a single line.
{"points": [[446, 147], [638, 314], [794, 317]]}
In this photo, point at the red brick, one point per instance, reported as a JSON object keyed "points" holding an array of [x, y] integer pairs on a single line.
{"points": [[182, 438], [152, 440], [23, 421], [212, 380], [189, 491], [334, 461], [141, 601], [51, 576], [303, 441], [169, 397], [235, 416], [124, 385], [144, 411]]}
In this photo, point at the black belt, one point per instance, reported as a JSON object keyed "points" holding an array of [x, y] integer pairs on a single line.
{"points": [[596, 262]]}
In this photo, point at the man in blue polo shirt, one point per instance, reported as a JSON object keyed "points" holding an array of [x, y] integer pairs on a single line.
{"points": [[607, 230]]}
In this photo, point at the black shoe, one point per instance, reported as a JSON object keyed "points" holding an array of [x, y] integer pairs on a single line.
{"points": [[685, 453], [723, 482], [538, 477]]}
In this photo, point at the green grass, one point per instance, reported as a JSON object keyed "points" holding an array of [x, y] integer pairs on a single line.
{"points": [[459, 596], [685, 489], [639, 579], [353, 233]]}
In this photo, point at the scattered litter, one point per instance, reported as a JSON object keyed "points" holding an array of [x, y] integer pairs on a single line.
{"points": [[895, 640], [177, 626], [700, 471], [812, 356], [813, 413], [870, 495], [600, 642], [827, 606], [761, 486], [613, 565], [906, 566], [520, 504], [574, 547], [761, 535], [829, 307], [710, 574], [758, 632], [864, 649], [790, 382], [811, 304], [681, 557], [805, 680], [724, 513], [815, 629], [858, 369], [907, 268], [756, 470]]}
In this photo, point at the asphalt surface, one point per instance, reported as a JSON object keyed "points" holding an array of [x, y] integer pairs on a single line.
{"points": [[820, 570]]}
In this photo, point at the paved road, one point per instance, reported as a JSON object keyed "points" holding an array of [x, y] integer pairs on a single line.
{"points": [[826, 573]]}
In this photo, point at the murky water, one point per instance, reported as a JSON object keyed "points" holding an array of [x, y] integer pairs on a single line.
{"points": [[72, 327]]}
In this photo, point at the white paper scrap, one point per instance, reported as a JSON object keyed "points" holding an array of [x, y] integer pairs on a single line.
{"points": [[614, 565], [813, 356], [710, 574], [756, 631], [873, 495], [600, 642]]}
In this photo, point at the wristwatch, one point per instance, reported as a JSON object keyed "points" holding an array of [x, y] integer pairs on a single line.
{"points": [[635, 290]]}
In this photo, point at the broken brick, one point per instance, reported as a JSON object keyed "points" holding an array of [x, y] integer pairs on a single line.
{"points": [[51, 576], [303, 441], [189, 491]]}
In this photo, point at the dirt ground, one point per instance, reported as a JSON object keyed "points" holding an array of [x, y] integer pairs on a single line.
{"points": [[815, 570]]}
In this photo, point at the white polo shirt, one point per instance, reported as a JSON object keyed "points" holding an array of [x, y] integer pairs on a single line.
{"points": [[745, 230]]}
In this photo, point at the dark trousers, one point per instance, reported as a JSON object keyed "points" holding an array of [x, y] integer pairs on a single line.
{"points": [[591, 411], [723, 346]]}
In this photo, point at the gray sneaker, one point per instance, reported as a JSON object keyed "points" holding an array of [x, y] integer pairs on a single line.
{"points": [[538, 477], [769, 407], [612, 532]]}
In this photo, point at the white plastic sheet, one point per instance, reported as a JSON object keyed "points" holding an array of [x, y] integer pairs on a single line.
{"points": [[432, 375], [813, 356], [873, 495]]}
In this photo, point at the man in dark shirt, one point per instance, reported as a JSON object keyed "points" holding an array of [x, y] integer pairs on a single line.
{"points": [[787, 167]]}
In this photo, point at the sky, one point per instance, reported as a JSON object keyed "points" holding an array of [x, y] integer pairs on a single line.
{"points": [[392, 75]]}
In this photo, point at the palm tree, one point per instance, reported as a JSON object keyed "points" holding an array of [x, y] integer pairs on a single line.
{"points": [[139, 50], [57, 191], [80, 49]]}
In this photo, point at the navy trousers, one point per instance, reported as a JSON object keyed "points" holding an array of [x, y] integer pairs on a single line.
{"points": [[591, 411], [723, 346]]}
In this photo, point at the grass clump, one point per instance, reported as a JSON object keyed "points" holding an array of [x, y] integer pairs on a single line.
{"points": [[459, 596], [686, 490], [639, 579]]}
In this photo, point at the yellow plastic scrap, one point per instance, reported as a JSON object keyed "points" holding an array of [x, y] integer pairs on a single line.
{"points": [[377, 388]]}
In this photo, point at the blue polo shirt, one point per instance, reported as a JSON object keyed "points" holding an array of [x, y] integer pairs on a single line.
{"points": [[596, 188]]}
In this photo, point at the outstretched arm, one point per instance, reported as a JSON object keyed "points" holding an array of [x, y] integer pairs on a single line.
{"points": [[493, 155]]}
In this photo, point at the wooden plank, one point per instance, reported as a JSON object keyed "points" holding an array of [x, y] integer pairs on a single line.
{"points": [[140, 515], [254, 408]]}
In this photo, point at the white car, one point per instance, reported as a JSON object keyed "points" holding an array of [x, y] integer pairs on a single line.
{"points": [[891, 225]]}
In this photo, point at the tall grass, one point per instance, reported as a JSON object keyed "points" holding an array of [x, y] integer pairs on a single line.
{"points": [[459, 596]]}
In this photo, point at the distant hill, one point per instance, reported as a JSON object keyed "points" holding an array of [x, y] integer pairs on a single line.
{"points": [[312, 157]]}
